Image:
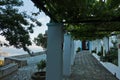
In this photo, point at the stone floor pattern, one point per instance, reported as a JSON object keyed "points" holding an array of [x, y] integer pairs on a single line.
{"points": [[86, 67]]}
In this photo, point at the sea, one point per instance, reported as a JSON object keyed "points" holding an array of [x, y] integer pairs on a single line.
{"points": [[12, 51]]}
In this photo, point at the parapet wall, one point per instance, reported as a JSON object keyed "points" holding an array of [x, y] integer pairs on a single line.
{"points": [[19, 62], [8, 69], [21, 59]]}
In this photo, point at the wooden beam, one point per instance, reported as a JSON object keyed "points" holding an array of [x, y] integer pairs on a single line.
{"points": [[114, 19]]}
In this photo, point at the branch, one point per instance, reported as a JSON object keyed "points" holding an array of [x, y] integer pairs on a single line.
{"points": [[40, 5]]}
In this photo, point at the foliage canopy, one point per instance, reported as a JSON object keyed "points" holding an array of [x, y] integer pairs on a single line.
{"points": [[41, 40], [84, 19]]}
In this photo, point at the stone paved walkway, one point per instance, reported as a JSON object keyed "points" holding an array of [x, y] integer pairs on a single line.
{"points": [[88, 68]]}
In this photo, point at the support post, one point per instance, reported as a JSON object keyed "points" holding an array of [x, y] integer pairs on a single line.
{"points": [[118, 40], [67, 56], [54, 69], [105, 41], [73, 52]]}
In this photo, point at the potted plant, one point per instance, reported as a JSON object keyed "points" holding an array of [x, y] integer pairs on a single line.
{"points": [[41, 74], [78, 50]]}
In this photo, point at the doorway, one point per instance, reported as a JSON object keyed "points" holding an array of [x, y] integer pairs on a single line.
{"points": [[85, 45]]}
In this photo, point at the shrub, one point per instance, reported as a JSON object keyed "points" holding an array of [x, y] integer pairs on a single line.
{"points": [[78, 49], [100, 53], [112, 56], [41, 65], [93, 51]]}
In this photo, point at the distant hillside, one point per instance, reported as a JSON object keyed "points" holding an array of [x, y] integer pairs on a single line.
{"points": [[4, 54]]}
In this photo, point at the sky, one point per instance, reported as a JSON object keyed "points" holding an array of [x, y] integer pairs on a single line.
{"points": [[29, 8]]}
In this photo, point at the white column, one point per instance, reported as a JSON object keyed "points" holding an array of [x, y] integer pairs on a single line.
{"points": [[92, 46], [103, 49], [79, 44], [73, 52], [74, 47], [98, 45], [67, 56], [118, 40], [55, 52], [105, 42]]}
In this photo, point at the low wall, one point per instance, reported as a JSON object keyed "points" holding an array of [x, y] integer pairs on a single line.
{"points": [[20, 62], [8, 69], [27, 55], [21, 59]]}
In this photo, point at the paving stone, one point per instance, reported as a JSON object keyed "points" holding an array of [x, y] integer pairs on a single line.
{"points": [[88, 68]]}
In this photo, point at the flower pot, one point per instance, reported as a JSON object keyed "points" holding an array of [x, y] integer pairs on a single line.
{"points": [[38, 76]]}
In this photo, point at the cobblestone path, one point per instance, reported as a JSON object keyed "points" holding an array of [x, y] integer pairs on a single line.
{"points": [[86, 67]]}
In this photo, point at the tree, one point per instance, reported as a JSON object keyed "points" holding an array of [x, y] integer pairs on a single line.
{"points": [[14, 25], [41, 40]]}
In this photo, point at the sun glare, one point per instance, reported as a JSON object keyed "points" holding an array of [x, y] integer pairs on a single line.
{"points": [[1, 62]]}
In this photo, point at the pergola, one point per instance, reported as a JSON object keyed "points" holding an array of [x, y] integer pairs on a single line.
{"points": [[82, 19], [100, 15]]}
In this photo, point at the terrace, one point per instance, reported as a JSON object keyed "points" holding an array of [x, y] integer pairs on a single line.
{"points": [[83, 20]]}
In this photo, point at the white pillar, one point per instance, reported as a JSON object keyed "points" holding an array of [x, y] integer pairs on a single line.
{"points": [[103, 48], [75, 44], [67, 56], [105, 42], [98, 45], [73, 52], [55, 52], [118, 40], [79, 44], [92, 46]]}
